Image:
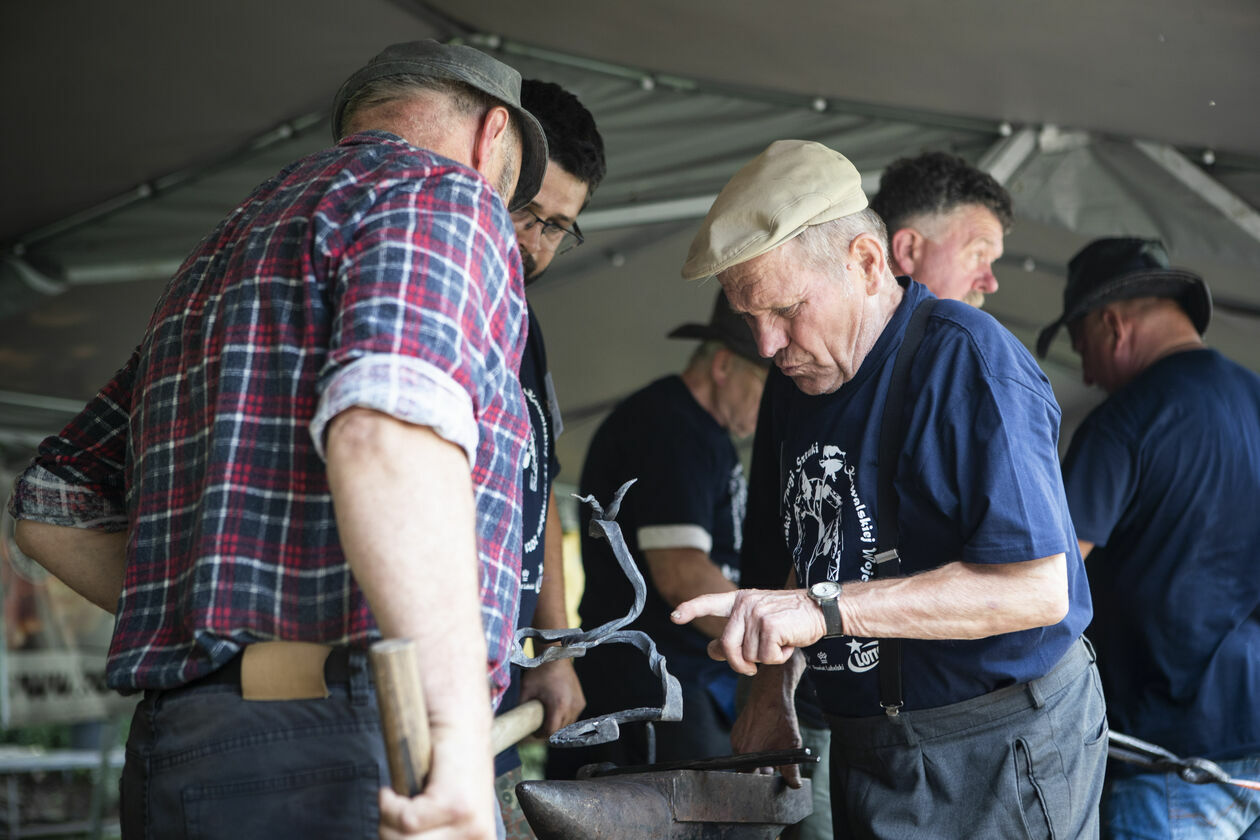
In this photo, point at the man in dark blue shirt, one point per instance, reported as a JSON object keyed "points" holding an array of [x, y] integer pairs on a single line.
{"points": [[962, 700], [545, 228], [1163, 480]]}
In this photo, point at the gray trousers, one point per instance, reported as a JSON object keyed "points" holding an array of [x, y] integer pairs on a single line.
{"points": [[1022, 762]]}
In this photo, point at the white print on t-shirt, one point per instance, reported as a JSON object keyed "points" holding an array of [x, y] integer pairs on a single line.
{"points": [[863, 656], [536, 461], [738, 489], [819, 494]]}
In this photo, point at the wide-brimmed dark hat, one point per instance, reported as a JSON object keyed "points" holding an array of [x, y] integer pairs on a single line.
{"points": [[727, 327], [472, 67], [1122, 268]]}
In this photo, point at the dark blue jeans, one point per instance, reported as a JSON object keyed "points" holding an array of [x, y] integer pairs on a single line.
{"points": [[203, 763], [1021, 762], [1160, 806]]}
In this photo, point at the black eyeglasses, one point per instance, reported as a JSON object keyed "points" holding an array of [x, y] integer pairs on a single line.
{"points": [[560, 237]]}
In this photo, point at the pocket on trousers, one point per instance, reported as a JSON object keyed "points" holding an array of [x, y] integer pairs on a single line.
{"points": [[1033, 805], [1096, 708], [338, 801]]}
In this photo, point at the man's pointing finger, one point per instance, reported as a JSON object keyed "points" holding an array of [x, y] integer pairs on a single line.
{"points": [[717, 603]]}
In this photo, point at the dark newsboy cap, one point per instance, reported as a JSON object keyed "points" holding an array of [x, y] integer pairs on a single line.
{"points": [[472, 67], [727, 327], [1122, 268]]}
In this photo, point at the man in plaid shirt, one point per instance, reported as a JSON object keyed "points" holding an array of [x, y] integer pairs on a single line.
{"points": [[317, 442]]}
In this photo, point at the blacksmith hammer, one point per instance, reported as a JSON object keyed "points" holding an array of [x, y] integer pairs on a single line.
{"points": [[405, 720]]}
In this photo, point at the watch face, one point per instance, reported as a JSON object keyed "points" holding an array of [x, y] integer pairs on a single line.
{"points": [[825, 589]]}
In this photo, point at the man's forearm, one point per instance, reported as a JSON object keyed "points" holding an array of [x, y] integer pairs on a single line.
{"points": [[91, 562], [680, 574], [955, 601], [778, 683], [554, 683], [405, 512], [959, 601]]}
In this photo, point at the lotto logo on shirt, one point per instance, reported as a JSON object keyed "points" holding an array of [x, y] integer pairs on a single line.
{"points": [[863, 656]]}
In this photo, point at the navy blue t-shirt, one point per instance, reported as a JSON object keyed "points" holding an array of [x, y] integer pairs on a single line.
{"points": [[690, 493], [978, 481], [539, 468], [1164, 479]]}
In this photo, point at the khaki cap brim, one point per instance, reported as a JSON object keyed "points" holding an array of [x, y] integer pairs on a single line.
{"points": [[792, 185]]}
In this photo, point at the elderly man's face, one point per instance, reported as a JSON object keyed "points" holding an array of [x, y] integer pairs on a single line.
{"points": [[958, 251], [809, 321]]}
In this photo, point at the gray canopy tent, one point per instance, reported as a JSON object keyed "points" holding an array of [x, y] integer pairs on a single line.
{"points": [[133, 128]]}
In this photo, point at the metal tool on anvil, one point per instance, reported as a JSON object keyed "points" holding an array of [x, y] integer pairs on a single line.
{"points": [[665, 805], [574, 642], [1197, 771], [740, 762]]}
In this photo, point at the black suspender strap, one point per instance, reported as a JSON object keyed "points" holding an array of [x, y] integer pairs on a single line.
{"points": [[891, 440]]}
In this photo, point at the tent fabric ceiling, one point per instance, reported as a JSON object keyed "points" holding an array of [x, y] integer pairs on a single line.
{"points": [[1168, 70], [135, 97]]}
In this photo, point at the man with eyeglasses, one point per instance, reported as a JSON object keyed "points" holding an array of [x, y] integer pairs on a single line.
{"points": [[545, 228]]}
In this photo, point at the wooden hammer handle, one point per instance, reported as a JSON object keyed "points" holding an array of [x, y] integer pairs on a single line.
{"points": [[515, 724], [404, 716]]}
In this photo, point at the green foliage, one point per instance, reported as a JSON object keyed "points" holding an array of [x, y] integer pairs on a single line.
{"points": [[52, 736]]}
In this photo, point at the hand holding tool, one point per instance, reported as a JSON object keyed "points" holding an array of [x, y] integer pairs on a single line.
{"points": [[404, 716]]}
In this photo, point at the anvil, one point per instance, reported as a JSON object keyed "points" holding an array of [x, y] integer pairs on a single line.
{"points": [[665, 805]]}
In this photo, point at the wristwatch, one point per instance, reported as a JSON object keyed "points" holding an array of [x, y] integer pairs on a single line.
{"points": [[825, 594]]}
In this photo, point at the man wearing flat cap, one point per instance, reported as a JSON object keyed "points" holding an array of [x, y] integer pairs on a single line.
{"points": [[1163, 480], [905, 474], [317, 444], [682, 522]]}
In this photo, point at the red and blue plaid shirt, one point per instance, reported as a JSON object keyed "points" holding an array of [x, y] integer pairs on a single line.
{"points": [[373, 274]]}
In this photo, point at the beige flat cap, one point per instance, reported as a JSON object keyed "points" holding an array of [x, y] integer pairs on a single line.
{"points": [[791, 185]]}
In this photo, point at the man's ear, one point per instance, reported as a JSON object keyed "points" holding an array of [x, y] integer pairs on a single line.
{"points": [[1119, 329], [720, 367], [866, 256], [491, 133], [907, 250]]}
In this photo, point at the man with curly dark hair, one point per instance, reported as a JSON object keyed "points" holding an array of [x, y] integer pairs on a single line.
{"points": [[946, 220], [548, 226]]}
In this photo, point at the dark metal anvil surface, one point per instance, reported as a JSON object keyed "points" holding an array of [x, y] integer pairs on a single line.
{"points": [[665, 805]]}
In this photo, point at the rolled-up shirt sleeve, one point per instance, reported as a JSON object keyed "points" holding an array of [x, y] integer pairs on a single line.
{"points": [[77, 477], [412, 333], [409, 389]]}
